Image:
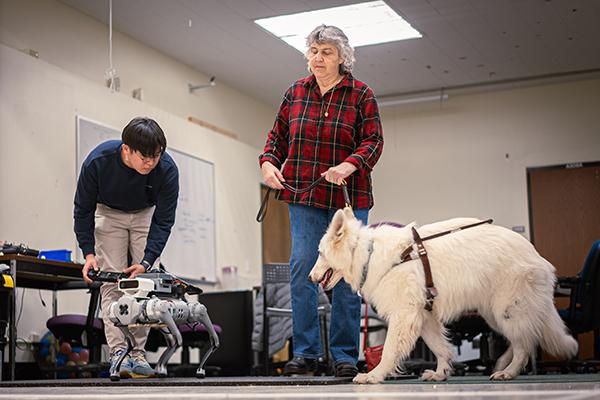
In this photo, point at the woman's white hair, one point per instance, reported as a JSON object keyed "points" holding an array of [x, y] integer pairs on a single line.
{"points": [[332, 34]]}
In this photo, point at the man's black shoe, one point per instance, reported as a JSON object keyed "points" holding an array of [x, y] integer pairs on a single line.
{"points": [[345, 370], [299, 366]]}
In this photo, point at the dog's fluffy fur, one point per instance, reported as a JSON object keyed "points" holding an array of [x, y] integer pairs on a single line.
{"points": [[486, 268]]}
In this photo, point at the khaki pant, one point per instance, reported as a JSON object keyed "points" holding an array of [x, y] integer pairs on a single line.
{"points": [[118, 233]]}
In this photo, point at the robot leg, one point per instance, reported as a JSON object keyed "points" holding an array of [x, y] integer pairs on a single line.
{"points": [[114, 369], [198, 313], [173, 339]]}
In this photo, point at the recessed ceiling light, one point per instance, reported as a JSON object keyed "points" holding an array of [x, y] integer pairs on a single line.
{"points": [[364, 23]]}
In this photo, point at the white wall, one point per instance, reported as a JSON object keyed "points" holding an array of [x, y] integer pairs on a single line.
{"points": [[469, 157], [38, 105], [78, 43]]}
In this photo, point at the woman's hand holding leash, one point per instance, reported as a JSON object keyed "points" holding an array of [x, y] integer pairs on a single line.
{"points": [[274, 179], [339, 173], [272, 176]]}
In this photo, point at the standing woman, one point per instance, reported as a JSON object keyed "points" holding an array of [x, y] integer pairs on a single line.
{"points": [[327, 125]]}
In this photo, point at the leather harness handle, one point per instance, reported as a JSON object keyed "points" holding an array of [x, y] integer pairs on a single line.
{"points": [[431, 290]]}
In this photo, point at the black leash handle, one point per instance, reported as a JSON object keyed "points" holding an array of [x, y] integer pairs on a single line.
{"points": [[262, 212]]}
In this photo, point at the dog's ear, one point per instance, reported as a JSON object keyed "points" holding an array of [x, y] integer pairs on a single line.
{"points": [[349, 213], [338, 224]]}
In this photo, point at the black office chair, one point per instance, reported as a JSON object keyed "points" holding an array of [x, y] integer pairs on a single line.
{"points": [[471, 327], [583, 314], [280, 274]]}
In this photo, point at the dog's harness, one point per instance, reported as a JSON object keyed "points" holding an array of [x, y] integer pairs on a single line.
{"points": [[417, 250]]}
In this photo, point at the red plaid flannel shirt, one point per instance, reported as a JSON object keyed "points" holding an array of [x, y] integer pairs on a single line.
{"points": [[307, 143]]}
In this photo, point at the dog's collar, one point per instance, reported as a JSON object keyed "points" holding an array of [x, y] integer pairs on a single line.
{"points": [[406, 256], [365, 266]]}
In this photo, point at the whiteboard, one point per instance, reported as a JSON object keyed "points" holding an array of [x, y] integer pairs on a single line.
{"points": [[190, 251]]}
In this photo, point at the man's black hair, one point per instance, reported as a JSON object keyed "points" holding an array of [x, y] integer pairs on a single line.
{"points": [[144, 135]]}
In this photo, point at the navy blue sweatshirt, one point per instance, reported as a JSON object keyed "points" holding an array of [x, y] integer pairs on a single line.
{"points": [[105, 179]]}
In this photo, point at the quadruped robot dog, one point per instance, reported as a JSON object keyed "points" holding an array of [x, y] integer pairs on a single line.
{"points": [[156, 300]]}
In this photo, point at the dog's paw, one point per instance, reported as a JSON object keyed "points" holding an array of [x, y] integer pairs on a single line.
{"points": [[372, 378], [367, 378], [430, 375], [502, 376], [360, 378]]}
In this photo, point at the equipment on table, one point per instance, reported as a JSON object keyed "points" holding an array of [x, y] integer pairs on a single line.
{"points": [[9, 248]]}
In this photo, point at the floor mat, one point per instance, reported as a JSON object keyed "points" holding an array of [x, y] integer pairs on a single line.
{"points": [[484, 379], [218, 381]]}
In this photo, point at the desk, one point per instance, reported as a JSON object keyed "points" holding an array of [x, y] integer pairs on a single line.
{"points": [[35, 273]]}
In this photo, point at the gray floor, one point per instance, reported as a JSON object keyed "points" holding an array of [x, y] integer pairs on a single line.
{"points": [[545, 390]]}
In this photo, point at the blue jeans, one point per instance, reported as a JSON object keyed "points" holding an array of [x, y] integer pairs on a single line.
{"points": [[308, 224]]}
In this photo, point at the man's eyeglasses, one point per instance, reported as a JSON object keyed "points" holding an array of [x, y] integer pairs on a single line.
{"points": [[148, 159]]}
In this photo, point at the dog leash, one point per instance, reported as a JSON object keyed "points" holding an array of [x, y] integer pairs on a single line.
{"points": [[262, 212]]}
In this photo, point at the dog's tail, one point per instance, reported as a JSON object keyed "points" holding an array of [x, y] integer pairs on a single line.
{"points": [[555, 338]]}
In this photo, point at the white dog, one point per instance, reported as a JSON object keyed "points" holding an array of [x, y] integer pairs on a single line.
{"points": [[485, 268]]}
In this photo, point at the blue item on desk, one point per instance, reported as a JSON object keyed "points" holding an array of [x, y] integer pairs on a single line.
{"points": [[56, 255]]}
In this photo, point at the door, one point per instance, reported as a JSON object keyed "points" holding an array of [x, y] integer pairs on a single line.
{"points": [[564, 216], [276, 239]]}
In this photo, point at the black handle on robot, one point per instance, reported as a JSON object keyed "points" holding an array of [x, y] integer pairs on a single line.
{"points": [[105, 276]]}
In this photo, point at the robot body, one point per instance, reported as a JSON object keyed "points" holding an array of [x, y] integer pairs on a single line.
{"points": [[157, 300]]}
